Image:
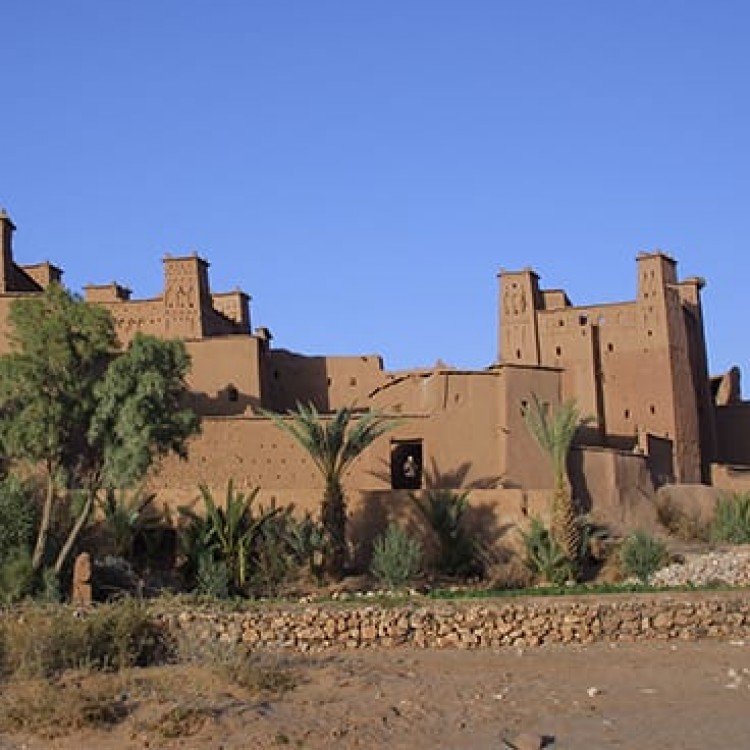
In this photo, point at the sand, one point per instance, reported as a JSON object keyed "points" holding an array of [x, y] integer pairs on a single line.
{"points": [[648, 695]]}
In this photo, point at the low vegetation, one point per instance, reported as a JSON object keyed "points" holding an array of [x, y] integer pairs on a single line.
{"points": [[444, 512], [61, 671], [731, 522], [641, 555], [396, 557]]}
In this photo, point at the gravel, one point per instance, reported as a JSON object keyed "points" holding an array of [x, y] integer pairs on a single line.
{"points": [[728, 566]]}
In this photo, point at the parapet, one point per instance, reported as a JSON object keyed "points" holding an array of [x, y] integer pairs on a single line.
{"points": [[112, 292]]}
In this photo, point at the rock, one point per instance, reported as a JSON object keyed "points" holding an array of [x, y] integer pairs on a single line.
{"points": [[82, 590], [527, 741]]}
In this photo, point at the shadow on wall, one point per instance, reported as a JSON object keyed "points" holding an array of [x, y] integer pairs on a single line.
{"points": [[228, 402], [613, 486], [433, 478], [486, 521], [289, 379]]}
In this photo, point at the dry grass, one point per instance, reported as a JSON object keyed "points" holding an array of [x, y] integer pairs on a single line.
{"points": [[50, 709], [62, 671]]}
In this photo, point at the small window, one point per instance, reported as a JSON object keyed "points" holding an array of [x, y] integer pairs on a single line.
{"points": [[518, 354], [627, 413], [406, 464], [352, 382], [558, 351], [653, 409], [610, 347], [583, 320], [561, 322]]}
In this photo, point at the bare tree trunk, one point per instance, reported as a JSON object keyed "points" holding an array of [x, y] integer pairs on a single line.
{"points": [[333, 520], [74, 532], [45, 522]]}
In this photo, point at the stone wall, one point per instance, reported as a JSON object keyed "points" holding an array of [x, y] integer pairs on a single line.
{"points": [[520, 623]]}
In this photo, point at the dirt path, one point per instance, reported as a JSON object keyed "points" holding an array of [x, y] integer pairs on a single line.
{"points": [[650, 695]]}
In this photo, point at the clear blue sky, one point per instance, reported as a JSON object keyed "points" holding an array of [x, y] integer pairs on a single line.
{"points": [[364, 169]]}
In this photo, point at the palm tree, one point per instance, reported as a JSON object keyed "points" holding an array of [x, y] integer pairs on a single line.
{"points": [[554, 432], [333, 444]]}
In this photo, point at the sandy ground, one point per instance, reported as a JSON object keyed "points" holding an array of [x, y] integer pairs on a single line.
{"points": [[649, 695]]}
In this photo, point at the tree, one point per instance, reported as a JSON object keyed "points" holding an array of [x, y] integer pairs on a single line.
{"points": [[83, 415], [554, 432], [333, 445]]}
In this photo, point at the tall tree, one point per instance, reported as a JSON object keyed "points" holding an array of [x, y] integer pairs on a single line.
{"points": [[72, 408], [554, 431], [333, 444]]}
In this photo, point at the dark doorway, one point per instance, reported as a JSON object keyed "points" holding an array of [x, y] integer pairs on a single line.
{"points": [[406, 464]]}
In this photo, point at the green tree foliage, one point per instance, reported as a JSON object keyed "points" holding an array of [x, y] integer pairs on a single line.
{"points": [[71, 407], [139, 415], [554, 431], [333, 444]]}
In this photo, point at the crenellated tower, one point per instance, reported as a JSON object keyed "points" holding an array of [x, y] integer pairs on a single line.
{"points": [[520, 300], [187, 298]]}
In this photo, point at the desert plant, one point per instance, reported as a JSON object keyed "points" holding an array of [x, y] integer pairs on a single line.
{"points": [[731, 522], [228, 534], [126, 514], [305, 538], [333, 445], [444, 512], [396, 557], [212, 577], [641, 555], [544, 556], [554, 432]]}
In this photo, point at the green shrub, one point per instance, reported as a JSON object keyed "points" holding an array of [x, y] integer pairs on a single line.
{"points": [[229, 533], [731, 521], [212, 577], [396, 557], [16, 575], [126, 515], [305, 539], [18, 516], [544, 557], [444, 511], [641, 555]]}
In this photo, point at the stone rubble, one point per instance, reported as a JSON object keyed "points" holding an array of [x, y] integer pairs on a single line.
{"points": [[729, 566], [519, 624]]}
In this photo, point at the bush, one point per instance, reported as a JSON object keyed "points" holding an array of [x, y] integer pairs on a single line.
{"points": [[444, 512], [228, 533], [44, 642], [396, 557], [212, 577], [731, 522], [544, 557], [18, 517], [16, 575], [641, 555]]}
